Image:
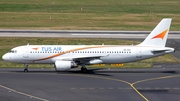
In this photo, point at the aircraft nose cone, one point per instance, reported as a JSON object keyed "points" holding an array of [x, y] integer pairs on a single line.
{"points": [[4, 57]]}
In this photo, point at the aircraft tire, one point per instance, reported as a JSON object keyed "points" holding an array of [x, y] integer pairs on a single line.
{"points": [[84, 70], [25, 70]]}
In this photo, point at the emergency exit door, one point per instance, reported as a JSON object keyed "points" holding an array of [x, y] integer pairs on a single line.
{"points": [[25, 52]]}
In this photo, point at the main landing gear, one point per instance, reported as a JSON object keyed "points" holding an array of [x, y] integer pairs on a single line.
{"points": [[84, 69], [26, 68]]}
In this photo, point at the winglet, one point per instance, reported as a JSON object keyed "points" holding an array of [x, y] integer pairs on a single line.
{"points": [[158, 36]]}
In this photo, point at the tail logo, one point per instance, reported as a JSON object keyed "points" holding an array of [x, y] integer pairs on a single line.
{"points": [[160, 35]]}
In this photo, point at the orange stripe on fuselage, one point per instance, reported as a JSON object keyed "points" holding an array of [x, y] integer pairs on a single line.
{"points": [[64, 52]]}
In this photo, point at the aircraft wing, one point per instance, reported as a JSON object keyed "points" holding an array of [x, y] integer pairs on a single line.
{"points": [[83, 59]]}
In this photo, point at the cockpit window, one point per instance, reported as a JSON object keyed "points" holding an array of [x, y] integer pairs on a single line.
{"points": [[13, 51]]}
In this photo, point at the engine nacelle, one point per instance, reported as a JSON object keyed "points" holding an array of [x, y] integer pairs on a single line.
{"points": [[64, 65]]}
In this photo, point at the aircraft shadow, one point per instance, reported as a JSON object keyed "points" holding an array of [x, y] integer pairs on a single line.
{"points": [[100, 71], [146, 71], [90, 71]]}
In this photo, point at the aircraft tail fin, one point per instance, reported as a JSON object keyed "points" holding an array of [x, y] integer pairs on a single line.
{"points": [[158, 36]]}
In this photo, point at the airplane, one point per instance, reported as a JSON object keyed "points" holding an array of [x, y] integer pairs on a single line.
{"points": [[66, 57]]}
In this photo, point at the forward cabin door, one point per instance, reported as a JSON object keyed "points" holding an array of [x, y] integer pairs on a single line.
{"points": [[25, 52]]}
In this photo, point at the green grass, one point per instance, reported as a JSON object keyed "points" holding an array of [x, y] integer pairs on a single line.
{"points": [[7, 43], [88, 14], [126, 65]]}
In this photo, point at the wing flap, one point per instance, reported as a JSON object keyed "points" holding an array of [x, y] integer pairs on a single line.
{"points": [[83, 58]]}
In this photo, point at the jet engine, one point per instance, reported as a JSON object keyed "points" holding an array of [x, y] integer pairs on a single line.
{"points": [[64, 65]]}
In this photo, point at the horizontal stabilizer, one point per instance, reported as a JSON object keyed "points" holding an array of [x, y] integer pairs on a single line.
{"points": [[163, 50]]}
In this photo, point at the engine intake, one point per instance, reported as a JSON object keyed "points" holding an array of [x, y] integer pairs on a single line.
{"points": [[64, 65]]}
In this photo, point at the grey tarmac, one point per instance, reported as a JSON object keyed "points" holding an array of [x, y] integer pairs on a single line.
{"points": [[160, 83]]}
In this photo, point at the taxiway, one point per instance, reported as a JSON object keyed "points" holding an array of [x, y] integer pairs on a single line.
{"points": [[160, 83], [81, 34]]}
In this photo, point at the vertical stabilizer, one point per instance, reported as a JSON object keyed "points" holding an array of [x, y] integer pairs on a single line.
{"points": [[158, 36]]}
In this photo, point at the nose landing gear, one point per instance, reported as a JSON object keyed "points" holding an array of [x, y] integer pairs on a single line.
{"points": [[26, 68]]}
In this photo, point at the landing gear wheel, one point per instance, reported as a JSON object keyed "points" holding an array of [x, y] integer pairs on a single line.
{"points": [[84, 70], [26, 70]]}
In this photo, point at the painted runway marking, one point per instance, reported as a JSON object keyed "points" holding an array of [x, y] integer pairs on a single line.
{"points": [[21, 93], [158, 78], [131, 84], [110, 88], [82, 88], [91, 88], [113, 79], [101, 88]]}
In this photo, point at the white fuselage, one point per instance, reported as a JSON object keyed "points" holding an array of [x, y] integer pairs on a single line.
{"points": [[89, 54]]}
